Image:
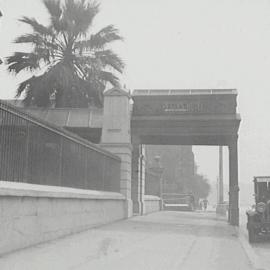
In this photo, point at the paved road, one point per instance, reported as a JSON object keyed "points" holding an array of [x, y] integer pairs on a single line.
{"points": [[159, 241]]}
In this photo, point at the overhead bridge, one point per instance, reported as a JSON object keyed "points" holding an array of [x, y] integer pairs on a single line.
{"points": [[188, 117]]}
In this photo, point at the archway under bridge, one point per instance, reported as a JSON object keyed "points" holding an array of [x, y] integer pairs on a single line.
{"points": [[185, 117]]}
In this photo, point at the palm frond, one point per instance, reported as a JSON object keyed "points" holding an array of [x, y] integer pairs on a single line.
{"points": [[79, 15], [109, 58], [23, 85], [37, 27], [106, 35], [35, 39], [99, 40], [54, 8], [109, 77], [38, 41], [23, 61]]}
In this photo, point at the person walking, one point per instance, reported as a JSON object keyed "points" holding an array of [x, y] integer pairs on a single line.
{"points": [[205, 204]]}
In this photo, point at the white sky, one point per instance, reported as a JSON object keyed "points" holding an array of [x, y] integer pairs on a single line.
{"points": [[185, 44]]}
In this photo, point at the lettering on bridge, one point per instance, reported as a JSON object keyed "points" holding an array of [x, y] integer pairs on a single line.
{"points": [[182, 107], [174, 105]]}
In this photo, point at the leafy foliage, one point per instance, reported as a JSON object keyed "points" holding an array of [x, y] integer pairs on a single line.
{"points": [[199, 186], [68, 64]]}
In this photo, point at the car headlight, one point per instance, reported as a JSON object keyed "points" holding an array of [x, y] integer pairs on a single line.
{"points": [[260, 207]]}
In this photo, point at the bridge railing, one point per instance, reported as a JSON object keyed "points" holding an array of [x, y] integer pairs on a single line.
{"points": [[168, 92], [33, 151]]}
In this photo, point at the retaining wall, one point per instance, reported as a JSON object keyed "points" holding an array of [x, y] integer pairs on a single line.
{"points": [[31, 214], [151, 204]]}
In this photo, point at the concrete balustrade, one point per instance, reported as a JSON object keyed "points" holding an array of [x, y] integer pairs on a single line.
{"points": [[31, 214]]}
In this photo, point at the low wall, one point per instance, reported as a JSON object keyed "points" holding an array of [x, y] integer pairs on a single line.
{"points": [[31, 214], [222, 208], [151, 204]]}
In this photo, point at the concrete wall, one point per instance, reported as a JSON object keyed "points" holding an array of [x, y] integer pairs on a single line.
{"points": [[151, 204], [31, 214]]}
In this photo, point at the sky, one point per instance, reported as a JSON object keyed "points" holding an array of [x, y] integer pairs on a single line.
{"points": [[184, 44]]}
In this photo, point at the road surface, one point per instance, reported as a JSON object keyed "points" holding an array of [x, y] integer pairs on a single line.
{"points": [[165, 240]]}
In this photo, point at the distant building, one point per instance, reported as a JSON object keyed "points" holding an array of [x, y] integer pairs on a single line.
{"points": [[178, 163]]}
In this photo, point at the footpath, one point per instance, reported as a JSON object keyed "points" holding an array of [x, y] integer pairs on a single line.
{"points": [[166, 240]]}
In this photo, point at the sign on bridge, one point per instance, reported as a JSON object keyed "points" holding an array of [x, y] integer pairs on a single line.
{"points": [[164, 102]]}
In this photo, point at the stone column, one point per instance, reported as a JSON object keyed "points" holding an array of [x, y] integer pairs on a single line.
{"points": [[220, 182], [233, 185], [116, 136], [138, 178], [221, 207], [136, 193], [142, 176]]}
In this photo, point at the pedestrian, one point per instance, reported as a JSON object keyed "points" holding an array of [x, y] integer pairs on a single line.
{"points": [[201, 204], [205, 204]]}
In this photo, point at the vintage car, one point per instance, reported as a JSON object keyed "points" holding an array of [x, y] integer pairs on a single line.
{"points": [[176, 201], [258, 218]]}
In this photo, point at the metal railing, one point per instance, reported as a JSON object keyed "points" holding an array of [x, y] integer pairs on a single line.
{"points": [[34, 151], [169, 92]]}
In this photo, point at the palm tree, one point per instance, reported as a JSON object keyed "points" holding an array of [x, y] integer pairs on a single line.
{"points": [[68, 64]]}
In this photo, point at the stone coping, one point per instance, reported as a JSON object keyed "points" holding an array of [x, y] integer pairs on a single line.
{"points": [[151, 198], [32, 190]]}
